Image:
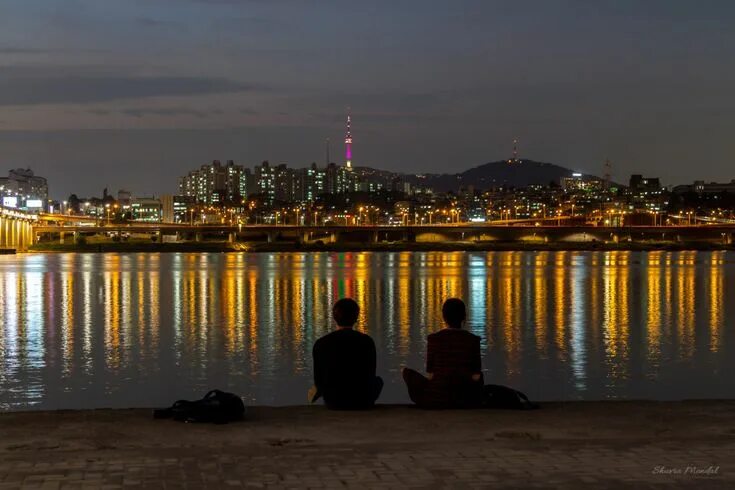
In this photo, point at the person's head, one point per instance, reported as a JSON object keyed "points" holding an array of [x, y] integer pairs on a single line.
{"points": [[454, 312], [345, 312]]}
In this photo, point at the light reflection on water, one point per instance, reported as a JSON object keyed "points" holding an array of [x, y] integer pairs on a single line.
{"points": [[120, 330]]}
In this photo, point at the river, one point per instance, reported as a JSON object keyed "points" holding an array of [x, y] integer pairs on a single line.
{"points": [[143, 330]]}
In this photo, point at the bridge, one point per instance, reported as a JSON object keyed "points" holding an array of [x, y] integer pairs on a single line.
{"points": [[16, 229], [458, 232]]}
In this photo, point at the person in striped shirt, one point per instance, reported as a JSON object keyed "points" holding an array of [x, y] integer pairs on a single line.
{"points": [[453, 365]]}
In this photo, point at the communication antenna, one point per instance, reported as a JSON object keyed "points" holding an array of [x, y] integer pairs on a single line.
{"points": [[606, 174], [514, 157]]}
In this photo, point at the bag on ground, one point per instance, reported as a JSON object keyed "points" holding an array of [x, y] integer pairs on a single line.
{"points": [[216, 407], [498, 396]]}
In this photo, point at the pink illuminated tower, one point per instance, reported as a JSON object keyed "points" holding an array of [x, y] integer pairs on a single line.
{"points": [[348, 145]]}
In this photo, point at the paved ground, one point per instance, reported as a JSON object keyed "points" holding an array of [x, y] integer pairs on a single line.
{"points": [[564, 445]]}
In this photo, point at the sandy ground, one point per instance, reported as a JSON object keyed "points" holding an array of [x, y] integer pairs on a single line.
{"points": [[564, 445]]}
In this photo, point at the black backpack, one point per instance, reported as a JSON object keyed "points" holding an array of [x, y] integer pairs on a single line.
{"points": [[216, 407], [498, 396]]}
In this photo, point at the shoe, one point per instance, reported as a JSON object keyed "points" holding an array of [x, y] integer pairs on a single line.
{"points": [[313, 394]]}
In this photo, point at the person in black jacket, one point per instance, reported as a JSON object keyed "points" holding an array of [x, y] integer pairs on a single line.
{"points": [[453, 365], [344, 363]]}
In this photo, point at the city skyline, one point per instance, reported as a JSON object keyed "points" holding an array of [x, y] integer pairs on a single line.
{"points": [[126, 95]]}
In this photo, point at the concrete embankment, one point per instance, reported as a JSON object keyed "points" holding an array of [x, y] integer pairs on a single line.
{"points": [[564, 445]]}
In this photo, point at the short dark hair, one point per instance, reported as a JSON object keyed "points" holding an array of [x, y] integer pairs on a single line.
{"points": [[345, 312], [454, 312]]}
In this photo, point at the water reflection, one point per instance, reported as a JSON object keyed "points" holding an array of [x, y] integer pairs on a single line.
{"points": [[145, 329]]}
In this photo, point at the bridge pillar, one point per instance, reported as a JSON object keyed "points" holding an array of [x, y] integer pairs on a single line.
{"points": [[615, 238], [231, 237], [22, 238], [304, 237], [61, 237], [375, 237], [197, 237], [271, 237], [14, 234], [19, 235]]}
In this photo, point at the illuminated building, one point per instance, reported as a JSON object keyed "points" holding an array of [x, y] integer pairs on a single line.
{"points": [[175, 209], [284, 182], [146, 209], [580, 182], [215, 183], [265, 181], [646, 193], [700, 187], [24, 190]]}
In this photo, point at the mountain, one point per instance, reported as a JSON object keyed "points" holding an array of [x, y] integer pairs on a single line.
{"points": [[494, 174]]}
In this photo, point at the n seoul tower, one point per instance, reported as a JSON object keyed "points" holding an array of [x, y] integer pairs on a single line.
{"points": [[348, 144]]}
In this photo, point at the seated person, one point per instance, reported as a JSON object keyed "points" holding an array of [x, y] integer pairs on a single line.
{"points": [[453, 364], [344, 363]]}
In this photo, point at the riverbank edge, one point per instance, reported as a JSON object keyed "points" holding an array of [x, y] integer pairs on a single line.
{"points": [[576, 422], [274, 409], [226, 247]]}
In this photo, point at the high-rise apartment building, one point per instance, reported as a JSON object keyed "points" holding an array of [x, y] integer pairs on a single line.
{"points": [[23, 189], [284, 183], [265, 181], [215, 183]]}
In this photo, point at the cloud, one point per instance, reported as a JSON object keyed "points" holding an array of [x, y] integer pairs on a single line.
{"points": [[151, 22], [142, 112], [44, 50], [232, 2], [19, 50], [173, 111], [46, 85]]}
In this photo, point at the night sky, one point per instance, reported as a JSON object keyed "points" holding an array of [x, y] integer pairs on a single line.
{"points": [[132, 94]]}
